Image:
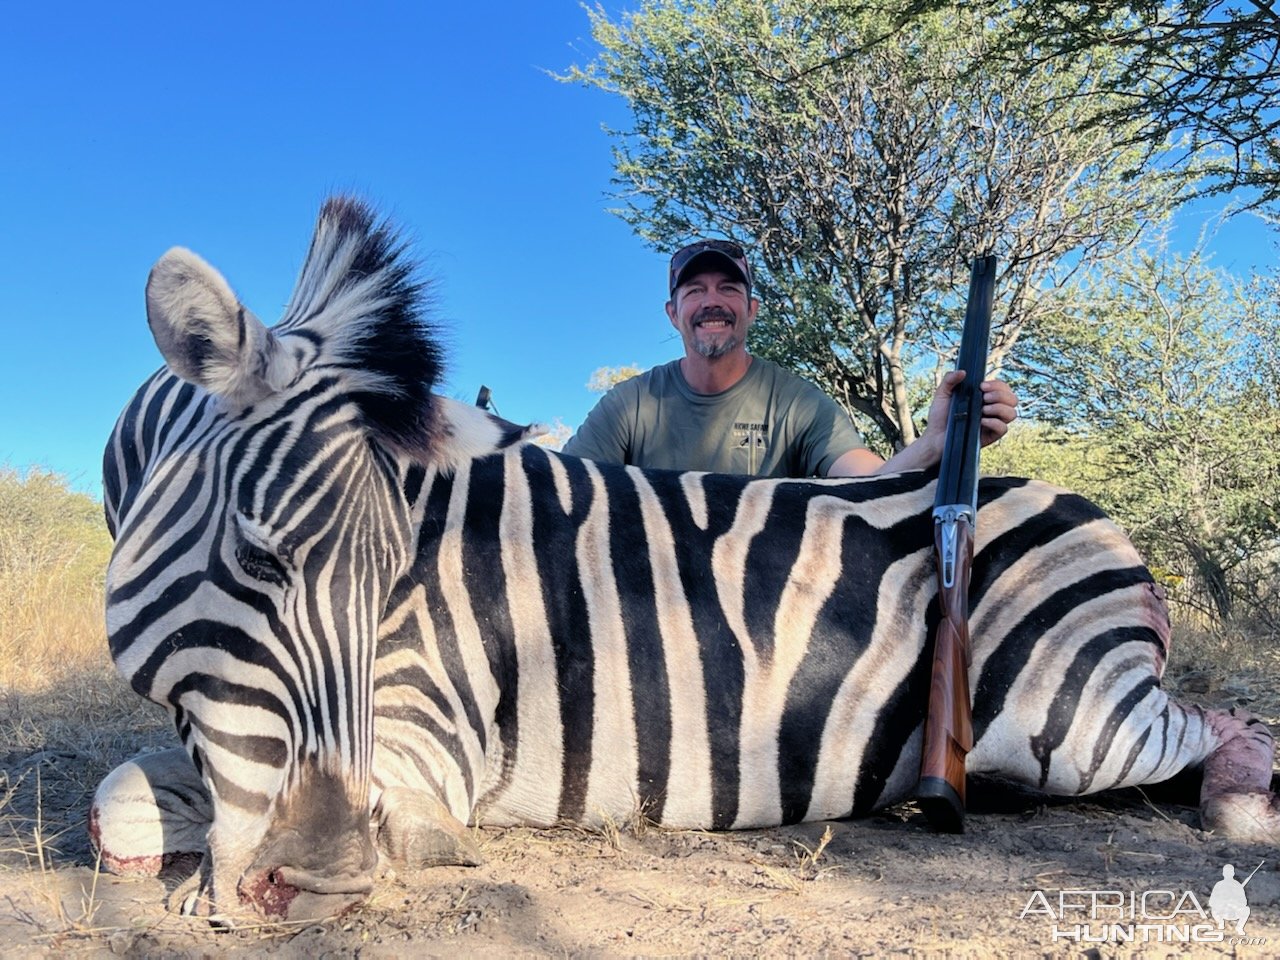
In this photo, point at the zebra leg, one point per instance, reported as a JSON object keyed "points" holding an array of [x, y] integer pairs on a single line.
{"points": [[1235, 796], [1158, 738], [151, 815], [414, 828]]}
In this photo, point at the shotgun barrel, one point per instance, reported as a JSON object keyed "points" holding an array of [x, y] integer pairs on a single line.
{"points": [[948, 729]]}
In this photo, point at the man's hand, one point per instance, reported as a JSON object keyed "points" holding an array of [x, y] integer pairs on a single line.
{"points": [[999, 407]]}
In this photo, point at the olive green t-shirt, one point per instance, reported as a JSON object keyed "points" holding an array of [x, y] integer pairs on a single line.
{"points": [[770, 423]]}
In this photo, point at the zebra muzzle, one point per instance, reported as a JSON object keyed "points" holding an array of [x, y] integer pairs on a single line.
{"points": [[291, 893]]}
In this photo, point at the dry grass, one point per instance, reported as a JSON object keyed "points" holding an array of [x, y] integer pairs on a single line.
{"points": [[57, 685], [54, 549], [1234, 664], [66, 717]]}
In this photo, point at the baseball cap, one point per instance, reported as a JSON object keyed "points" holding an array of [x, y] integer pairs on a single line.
{"points": [[709, 255]]}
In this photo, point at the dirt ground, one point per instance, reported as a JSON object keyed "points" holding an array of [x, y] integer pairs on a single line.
{"points": [[883, 886]]}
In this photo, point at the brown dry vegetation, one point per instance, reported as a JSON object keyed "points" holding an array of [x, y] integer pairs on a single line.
{"points": [[880, 886]]}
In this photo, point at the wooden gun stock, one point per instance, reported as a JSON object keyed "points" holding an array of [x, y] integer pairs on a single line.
{"points": [[948, 727]]}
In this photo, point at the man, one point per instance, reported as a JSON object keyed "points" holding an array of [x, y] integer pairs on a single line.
{"points": [[720, 409]]}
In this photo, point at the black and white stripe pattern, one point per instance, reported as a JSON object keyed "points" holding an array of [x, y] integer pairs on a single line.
{"points": [[259, 526], [344, 587], [730, 653]]}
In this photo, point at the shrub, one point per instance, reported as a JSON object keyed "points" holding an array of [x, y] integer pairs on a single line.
{"points": [[54, 549]]}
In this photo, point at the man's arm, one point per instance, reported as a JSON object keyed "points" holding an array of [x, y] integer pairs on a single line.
{"points": [[605, 435], [999, 409]]}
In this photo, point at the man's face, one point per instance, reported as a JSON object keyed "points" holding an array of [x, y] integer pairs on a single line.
{"points": [[712, 311]]}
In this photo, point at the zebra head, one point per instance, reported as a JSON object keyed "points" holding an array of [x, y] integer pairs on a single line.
{"points": [[261, 490]]}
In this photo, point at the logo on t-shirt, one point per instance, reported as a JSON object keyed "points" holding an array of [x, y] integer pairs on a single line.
{"points": [[753, 438], [751, 435]]}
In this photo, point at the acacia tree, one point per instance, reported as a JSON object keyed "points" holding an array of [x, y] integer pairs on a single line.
{"points": [[1209, 69], [1171, 368], [864, 176]]}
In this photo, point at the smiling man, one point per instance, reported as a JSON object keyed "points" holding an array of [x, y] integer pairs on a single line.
{"points": [[718, 408]]}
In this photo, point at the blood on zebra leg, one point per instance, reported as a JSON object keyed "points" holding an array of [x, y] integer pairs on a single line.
{"points": [[1236, 798]]}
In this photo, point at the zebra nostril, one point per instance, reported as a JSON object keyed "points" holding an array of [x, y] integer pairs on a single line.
{"points": [[268, 892], [289, 893]]}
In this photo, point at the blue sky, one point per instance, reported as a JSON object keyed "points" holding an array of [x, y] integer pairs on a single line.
{"points": [[129, 128]]}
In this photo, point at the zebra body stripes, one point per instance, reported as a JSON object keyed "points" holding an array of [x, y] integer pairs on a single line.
{"points": [[754, 651], [376, 615]]}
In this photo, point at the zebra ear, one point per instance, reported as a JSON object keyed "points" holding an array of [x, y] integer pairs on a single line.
{"points": [[464, 432], [207, 337]]}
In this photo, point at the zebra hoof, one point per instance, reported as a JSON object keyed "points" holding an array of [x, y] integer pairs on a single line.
{"points": [[188, 898], [1251, 817], [416, 830]]}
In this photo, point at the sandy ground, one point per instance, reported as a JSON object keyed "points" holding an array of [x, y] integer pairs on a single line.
{"points": [[883, 886]]}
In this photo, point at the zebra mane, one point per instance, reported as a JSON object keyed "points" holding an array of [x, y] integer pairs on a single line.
{"points": [[358, 306]]}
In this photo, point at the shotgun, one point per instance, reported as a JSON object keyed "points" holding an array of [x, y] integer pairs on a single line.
{"points": [[948, 727]]}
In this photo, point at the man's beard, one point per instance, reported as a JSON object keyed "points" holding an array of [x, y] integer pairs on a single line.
{"points": [[715, 348], [718, 349]]}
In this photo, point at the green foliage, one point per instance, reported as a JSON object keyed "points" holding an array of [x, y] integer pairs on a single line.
{"points": [[44, 524], [1171, 369], [1204, 72], [865, 163], [1082, 462]]}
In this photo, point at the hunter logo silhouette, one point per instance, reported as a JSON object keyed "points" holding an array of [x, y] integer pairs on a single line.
{"points": [[1228, 900]]}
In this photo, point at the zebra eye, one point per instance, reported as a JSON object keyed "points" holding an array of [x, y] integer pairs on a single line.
{"points": [[261, 564], [256, 556]]}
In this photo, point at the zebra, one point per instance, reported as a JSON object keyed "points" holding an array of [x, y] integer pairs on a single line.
{"points": [[377, 615]]}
